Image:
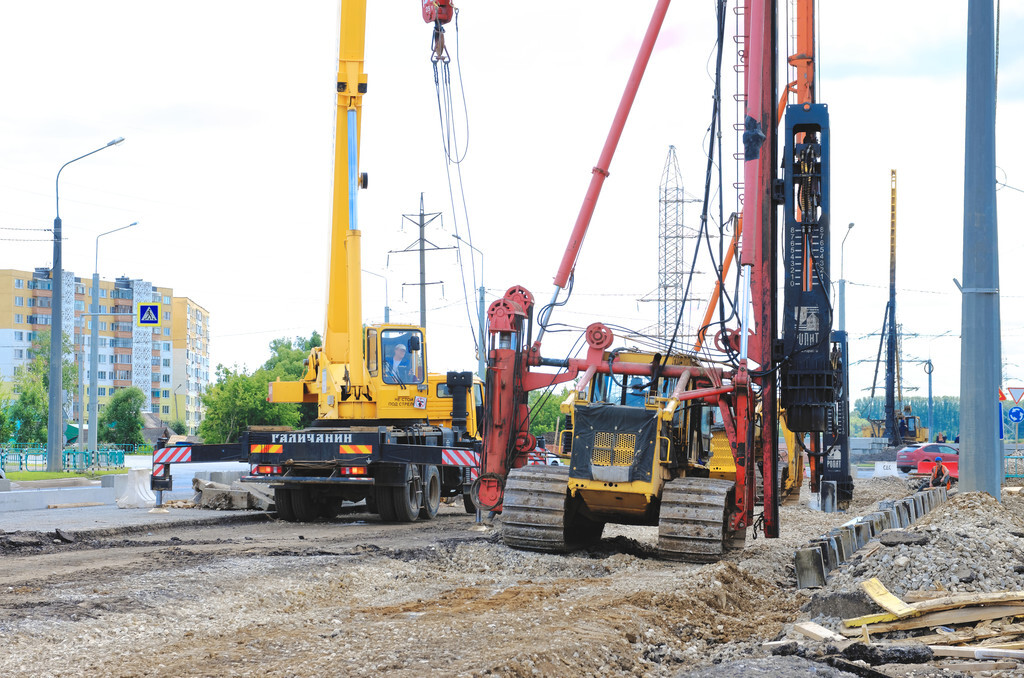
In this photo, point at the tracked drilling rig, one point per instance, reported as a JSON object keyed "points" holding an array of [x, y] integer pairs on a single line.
{"points": [[639, 452]]}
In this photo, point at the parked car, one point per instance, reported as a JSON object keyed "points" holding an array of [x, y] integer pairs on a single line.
{"points": [[908, 457]]}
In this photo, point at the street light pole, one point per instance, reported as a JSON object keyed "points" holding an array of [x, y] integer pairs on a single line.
{"points": [[55, 415], [842, 280], [481, 319], [94, 349]]}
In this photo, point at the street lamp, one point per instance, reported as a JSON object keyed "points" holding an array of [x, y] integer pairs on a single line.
{"points": [[94, 349], [842, 280], [55, 416], [482, 346]]}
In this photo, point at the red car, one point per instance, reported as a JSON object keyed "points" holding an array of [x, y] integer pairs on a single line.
{"points": [[908, 457]]}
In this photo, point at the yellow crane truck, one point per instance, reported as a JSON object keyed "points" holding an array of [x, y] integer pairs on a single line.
{"points": [[387, 430]]}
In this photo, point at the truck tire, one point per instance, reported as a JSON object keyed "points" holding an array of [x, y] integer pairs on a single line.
{"points": [[303, 506], [431, 493], [283, 504], [467, 502], [384, 504], [408, 498]]}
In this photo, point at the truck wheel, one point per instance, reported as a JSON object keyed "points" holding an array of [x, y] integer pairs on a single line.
{"points": [[467, 502], [371, 501], [431, 493], [283, 504], [305, 509], [407, 498], [385, 506]]}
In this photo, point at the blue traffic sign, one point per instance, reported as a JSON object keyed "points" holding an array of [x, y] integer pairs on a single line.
{"points": [[1016, 414], [149, 315]]}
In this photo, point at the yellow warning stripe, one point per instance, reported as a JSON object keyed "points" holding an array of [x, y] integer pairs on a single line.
{"points": [[266, 449], [355, 449]]}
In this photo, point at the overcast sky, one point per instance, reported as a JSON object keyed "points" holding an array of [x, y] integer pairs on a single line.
{"points": [[228, 113]]}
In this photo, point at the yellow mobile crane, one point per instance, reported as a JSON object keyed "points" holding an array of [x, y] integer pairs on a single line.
{"points": [[386, 431]]}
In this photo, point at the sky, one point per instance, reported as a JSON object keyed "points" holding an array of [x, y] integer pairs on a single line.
{"points": [[227, 108]]}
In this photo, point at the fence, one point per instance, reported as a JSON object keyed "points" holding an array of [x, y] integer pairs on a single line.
{"points": [[33, 458], [1013, 466]]}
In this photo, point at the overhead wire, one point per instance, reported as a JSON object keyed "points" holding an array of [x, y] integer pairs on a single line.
{"points": [[440, 62]]}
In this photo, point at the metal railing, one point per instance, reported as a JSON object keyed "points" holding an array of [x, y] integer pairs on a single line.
{"points": [[1013, 466], [33, 457]]}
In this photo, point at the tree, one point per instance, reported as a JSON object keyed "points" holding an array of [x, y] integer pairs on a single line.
{"points": [[238, 401], [544, 410], [121, 421], [178, 426], [286, 362], [27, 414]]}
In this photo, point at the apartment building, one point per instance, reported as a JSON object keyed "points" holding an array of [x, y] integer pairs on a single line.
{"points": [[169, 363]]}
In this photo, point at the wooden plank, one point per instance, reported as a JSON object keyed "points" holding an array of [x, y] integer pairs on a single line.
{"points": [[951, 602], [918, 596], [816, 631], [944, 618], [1013, 490], [77, 504], [971, 667], [886, 600], [877, 618], [975, 652]]}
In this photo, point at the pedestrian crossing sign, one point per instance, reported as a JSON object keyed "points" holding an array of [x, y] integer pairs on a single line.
{"points": [[149, 315]]}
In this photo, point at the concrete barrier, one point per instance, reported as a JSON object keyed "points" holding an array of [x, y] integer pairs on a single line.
{"points": [[32, 500], [135, 492]]}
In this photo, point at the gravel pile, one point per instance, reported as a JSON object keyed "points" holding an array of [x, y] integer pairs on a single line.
{"points": [[975, 544]]}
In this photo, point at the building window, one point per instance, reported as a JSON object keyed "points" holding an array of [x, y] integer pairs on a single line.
{"points": [[166, 409], [166, 394], [103, 326], [166, 379], [155, 393], [103, 293], [102, 390], [19, 336], [154, 377], [101, 375], [167, 346], [167, 300], [19, 283], [167, 331], [156, 362], [19, 318], [19, 301], [167, 315], [79, 305], [167, 362], [123, 375], [19, 353]]}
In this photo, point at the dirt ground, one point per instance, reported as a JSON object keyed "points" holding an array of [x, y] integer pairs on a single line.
{"points": [[355, 597]]}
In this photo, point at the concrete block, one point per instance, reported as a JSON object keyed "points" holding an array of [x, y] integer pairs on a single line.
{"points": [[810, 568], [829, 552], [225, 477], [863, 532], [828, 496], [108, 480], [39, 499], [848, 535], [225, 499], [842, 549], [5, 485]]}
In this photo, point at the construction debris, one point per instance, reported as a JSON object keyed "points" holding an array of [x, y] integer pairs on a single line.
{"points": [[237, 496]]}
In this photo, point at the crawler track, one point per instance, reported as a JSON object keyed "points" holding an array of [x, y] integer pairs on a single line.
{"points": [[693, 519], [534, 515]]}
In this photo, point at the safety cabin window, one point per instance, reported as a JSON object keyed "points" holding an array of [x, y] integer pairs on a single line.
{"points": [[371, 352], [402, 356]]}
